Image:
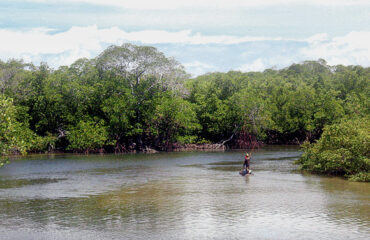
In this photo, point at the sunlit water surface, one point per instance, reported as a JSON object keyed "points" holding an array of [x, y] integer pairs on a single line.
{"points": [[197, 195]]}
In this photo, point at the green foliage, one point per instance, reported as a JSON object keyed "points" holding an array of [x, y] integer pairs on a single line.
{"points": [[173, 118], [343, 149], [16, 137], [251, 111], [294, 103], [146, 99], [118, 112], [88, 136], [360, 177], [211, 96], [12, 133], [187, 139], [42, 144]]}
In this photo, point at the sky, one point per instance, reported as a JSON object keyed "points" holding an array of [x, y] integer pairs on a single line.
{"points": [[203, 35]]}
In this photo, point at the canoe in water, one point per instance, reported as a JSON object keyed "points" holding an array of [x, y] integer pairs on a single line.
{"points": [[245, 172]]}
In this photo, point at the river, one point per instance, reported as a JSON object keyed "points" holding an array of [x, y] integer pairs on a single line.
{"points": [[188, 195]]}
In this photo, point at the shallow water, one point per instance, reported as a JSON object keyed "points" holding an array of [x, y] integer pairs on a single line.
{"points": [[198, 195]]}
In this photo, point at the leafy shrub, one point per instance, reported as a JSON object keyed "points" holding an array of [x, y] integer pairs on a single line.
{"points": [[45, 144], [16, 137], [187, 139], [13, 134], [343, 149], [87, 136], [175, 119], [360, 177], [203, 141]]}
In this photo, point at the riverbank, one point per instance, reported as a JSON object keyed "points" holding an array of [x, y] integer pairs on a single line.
{"points": [[197, 147]]}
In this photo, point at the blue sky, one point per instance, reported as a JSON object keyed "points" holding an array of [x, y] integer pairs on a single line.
{"points": [[205, 36]]}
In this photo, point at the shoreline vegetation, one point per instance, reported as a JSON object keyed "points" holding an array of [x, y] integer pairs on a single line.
{"points": [[135, 99], [342, 150]]}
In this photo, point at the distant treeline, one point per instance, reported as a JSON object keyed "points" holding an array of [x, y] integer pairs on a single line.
{"points": [[134, 97]]}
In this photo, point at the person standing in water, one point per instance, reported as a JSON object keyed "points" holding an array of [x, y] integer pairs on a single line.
{"points": [[246, 163]]}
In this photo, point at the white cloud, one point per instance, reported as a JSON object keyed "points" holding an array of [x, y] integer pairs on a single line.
{"points": [[64, 48], [224, 4], [257, 65], [318, 38], [351, 49], [275, 62], [198, 68], [89, 41]]}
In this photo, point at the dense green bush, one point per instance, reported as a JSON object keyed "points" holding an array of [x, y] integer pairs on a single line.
{"points": [[87, 136], [15, 136], [343, 149], [174, 119]]}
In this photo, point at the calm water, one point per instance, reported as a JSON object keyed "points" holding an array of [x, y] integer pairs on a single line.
{"points": [[178, 196]]}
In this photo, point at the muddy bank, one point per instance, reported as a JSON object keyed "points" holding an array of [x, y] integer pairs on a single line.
{"points": [[197, 147]]}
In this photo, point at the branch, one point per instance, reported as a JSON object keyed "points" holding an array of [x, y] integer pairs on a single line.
{"points": [[223, 142], [234, 132]]}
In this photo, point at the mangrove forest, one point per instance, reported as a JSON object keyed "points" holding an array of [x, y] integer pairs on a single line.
{"points": [[134, 98]]}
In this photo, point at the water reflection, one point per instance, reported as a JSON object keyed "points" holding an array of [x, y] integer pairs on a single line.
{"points": [[178, 196]]}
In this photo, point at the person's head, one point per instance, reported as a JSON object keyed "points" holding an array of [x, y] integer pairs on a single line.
{"points": [[247, 154]]}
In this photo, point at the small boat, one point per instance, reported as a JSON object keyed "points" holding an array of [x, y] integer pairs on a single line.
{"points": [[245, 172]]}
